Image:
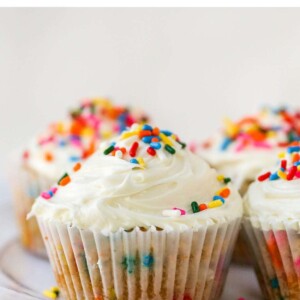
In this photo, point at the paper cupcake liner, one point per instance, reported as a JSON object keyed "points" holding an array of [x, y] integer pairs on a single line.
{"points": [[26, 186], [140, 264], [276, 249]]}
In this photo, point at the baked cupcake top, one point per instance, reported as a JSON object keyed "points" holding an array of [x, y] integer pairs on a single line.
{"points": [[275, 194], [146, 178], [77, 137], [241, 149]]}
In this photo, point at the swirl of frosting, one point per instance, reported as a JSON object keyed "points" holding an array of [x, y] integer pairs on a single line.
{"points": [[276, 193], [244, 148], [121, 188], [77, 137]]}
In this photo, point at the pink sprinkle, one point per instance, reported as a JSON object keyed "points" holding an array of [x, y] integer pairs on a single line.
{"points": [[45, 195], [53, 190], [192, 147], [262, 145], [182, 211]]}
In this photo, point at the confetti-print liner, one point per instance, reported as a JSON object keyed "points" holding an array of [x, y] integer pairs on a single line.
{"points": [[276, 249], [140, 264]]}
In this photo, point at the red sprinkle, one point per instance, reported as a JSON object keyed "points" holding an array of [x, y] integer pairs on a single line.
{"points": [[291, 173], [151, 151], [133, 149], [25, 155], [283, 163], [264, 176]]}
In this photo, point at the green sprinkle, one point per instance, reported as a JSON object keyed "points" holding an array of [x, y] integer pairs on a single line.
{"points": [[170, 149], [65, 175], [109, 149], [226, 180], [75, 113], [183, 145], [195, 207]]}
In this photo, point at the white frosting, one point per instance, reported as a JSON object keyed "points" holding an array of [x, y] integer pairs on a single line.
{"points": [[243, 164], [109, 193], [273, 202]]}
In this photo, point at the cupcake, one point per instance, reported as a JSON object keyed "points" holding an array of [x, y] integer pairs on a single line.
{"points": [[142, 218], [272, 215], [57, 149], [243, 148]]}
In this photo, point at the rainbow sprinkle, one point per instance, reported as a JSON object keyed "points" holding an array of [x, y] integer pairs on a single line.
{"points": [[289, 166], [152, 137], [95, 120], [252, 131]]}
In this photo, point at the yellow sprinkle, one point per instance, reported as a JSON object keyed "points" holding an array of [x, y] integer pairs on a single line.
{"points": [[49, 294], [106, 134], [126, 135], [165, 139], [102, 102], [281, 174], [60, 127], [230, 128], [54, 289], [215, 203], [281, 155], [220, 177], [88, 131], [140, 161], [298, 168], [271, 134]]}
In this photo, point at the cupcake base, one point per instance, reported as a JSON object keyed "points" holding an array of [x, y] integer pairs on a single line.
{"points": [[26, 186], [276, 250], [140, 264]]}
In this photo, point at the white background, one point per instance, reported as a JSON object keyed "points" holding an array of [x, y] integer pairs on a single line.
{"points": [[187, 67]]}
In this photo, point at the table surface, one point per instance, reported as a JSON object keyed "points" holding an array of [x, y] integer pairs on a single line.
{"points": [[24, 276]]}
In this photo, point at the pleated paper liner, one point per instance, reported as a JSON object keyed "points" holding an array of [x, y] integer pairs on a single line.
{"points": [[276, 249], [26, 186], [140, 264]]}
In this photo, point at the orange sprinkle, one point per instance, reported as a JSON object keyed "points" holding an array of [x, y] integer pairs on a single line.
{"points": [[77, 167], [65, 181], [123, 150], [155, 131], [155, 140], [225, 193], [144, 133], [296, 157], [48, 156]]}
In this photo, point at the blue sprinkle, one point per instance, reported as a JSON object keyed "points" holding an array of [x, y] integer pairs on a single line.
{"points": [[62, 143], [155, 145], [293, 149], [282, 169], [274, 283], [148, 260], [129, 264], [50, 193], [147, 127], [218, 198], [274, 176], [226, 143], [297, 163], [112, 143], [134, 161], [147, 139], [74, 158], [166, 132]]}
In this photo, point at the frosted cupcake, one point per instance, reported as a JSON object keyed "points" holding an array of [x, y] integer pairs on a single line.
{"points": [[243, 148], [142, 218], [56, 150], [272, 215]]}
